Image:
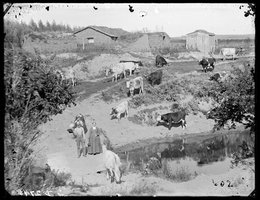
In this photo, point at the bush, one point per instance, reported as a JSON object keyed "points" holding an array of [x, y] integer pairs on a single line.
{"points": [[179, 174], [236, 99], [32, 95]]}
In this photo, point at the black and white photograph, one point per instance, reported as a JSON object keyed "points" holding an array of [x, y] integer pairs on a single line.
{"points": [[129, 99]]}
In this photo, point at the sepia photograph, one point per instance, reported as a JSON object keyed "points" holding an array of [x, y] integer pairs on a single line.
{"points": [[129, 99]]}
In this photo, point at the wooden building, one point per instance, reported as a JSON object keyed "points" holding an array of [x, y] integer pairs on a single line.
{"points": [[201, 40], [94, 36]]}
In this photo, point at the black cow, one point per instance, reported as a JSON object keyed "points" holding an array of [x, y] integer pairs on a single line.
{"points": [[216, 77], [160, 61], [206, 63], [155, 77], [175, 117]]}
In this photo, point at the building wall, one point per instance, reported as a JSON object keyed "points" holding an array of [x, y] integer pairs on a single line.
{"points": [[99, 38], [200, 41]]}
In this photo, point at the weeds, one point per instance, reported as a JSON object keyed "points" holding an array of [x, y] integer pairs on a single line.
{"points": [[179, 174]]}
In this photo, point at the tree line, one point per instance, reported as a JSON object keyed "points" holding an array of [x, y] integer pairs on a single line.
{"points": [[41, 27]]}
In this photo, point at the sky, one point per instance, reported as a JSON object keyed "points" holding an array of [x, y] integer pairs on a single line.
{"points": [[174, 19]]}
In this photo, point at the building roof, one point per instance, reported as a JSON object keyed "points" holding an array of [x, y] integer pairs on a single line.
{"points": [[95, 29], [201, 31]]}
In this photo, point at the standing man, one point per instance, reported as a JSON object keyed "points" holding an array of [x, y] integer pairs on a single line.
{"points": [[80, 137]]}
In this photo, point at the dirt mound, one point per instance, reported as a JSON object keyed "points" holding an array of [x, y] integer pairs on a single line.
{"points": [[97, 65]]}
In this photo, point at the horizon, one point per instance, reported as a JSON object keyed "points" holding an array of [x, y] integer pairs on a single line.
{"points": [[221, 19]]}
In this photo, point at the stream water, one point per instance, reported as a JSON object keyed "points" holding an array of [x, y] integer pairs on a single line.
{"points": [[209, 154]]}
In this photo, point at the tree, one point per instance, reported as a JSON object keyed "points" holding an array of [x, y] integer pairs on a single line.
{"points": [[251, 8], [48, 26], [53, 26], [32, 95], [33, 25], [236, 99], [41, 26]]}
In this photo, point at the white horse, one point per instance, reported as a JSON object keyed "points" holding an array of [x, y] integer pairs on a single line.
{"points": [[112, 164]]}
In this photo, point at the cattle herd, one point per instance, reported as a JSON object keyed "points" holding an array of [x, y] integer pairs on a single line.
{"points": [[121, 69]]}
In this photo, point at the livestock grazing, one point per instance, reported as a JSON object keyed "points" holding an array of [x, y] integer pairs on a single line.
{"points": [[216, 77], [59, 75], [134, 84], [171, 118], [136, 62], [227, 52], [112, 164], [155, 77], [206, 63], [160, 61], [68, 75], [122, 108], [116, 70], [130, 66]]}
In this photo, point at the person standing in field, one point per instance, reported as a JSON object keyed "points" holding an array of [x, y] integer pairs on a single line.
{"points": [[80, 137], [94, 146]]}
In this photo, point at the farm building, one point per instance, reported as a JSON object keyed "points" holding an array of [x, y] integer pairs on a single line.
{"points": [[91, 35], [150, 41], [201, 40]]}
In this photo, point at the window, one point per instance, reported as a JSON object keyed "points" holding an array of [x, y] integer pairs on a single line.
{"points": [[91, 40]]}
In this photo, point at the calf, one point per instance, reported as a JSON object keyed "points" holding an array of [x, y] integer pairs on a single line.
{"points": [[160, 61], [112, 164], [175, 117], [120, 109], [136, 83], [155, 77]]}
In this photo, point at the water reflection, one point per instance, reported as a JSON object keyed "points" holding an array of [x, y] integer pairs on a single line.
{"points": [[197, 153]]}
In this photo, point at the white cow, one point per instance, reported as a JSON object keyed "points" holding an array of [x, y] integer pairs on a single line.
{"points": [[121, 108], [130, 66], [112, 164], [69, 74], [116, 69], [136, 83], [226, 52]]}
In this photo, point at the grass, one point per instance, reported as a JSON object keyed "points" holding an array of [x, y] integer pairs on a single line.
{"points": [[138, 189], [176, 173]]}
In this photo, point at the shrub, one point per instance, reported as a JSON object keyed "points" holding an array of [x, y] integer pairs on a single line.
{"points": [[32, 96], [236, 99], [179, 174]]}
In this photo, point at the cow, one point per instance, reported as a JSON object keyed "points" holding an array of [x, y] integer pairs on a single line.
{"points": [[206, 63], [136, 83], [160, 61], [226, 52], [59, 75], [130, 66], [216, 77], [170, 118], [123, 107], [155, 77], [69, 75], [116, 69]]}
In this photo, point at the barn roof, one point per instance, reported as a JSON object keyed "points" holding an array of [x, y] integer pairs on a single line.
{"points": [[201, 31], [95, 29]]}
